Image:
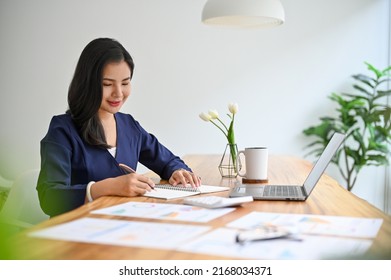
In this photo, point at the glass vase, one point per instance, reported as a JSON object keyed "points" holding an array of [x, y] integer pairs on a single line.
{"points": [[227, 166]]}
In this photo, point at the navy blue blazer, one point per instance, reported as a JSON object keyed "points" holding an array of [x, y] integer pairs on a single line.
{"points": [[68, 163]]}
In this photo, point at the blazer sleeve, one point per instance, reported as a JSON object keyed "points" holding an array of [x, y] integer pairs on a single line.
{"points": [[55, 192]]}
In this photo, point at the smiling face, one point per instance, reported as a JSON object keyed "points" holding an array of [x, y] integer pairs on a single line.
{"points": [[115, 87]]}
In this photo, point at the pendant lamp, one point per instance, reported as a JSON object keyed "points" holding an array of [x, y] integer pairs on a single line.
{"points": [[243, 13]]}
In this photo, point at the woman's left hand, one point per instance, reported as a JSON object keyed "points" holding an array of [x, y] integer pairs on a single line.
{"points": [[184, 177]]}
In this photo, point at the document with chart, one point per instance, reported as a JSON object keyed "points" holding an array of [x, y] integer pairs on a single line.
{"points": [[315, 237], [165, 211], [122, 233]]}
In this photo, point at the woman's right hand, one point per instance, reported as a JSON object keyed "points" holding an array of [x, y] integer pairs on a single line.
{"points": [[133, 184], [129, 185]]}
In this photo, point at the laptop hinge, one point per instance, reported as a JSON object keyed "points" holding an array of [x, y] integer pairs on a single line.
{"points": [[305, 194]]}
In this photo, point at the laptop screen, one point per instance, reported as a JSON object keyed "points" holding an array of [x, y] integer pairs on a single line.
{"points": [[323, 162]]}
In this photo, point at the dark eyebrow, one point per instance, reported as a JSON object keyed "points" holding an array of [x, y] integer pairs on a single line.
{"points": [[113, 80]]}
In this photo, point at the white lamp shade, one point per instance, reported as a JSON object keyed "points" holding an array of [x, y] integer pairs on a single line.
{"points": [[243, 13]]}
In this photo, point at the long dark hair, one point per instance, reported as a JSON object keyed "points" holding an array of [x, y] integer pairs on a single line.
{"points": [[85, 90]]}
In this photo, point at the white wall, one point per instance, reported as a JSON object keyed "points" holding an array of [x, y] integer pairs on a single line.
{"points": [[280, 77]]}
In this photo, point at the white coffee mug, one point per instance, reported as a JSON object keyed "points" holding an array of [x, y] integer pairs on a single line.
{"points": [[256, 161]]}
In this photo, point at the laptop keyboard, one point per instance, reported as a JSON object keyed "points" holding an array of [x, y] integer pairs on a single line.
{"points": [[271, 190]]}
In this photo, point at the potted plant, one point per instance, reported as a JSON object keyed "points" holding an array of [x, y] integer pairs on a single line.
{"points": [[365, 118]]}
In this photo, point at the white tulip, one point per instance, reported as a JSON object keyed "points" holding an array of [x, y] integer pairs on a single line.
{"points": [[233, 108], [206, 117], [214, 114]]}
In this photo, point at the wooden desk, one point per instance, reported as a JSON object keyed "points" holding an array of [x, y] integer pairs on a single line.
{"points": [[328, 198]]}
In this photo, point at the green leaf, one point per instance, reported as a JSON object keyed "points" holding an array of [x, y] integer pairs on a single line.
{"points": [[359, 139], [337, 97], [379, 147], [352, 95], [382, 133], [328, 119], [377, 160], [383, 80], [355, 155], [362, 89], [231, 134], [377, 72], [386, 70], [382, 93], [322, 130], [314, 143], [365, 79]]}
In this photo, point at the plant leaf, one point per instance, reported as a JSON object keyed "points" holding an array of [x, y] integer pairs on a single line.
{"points": [[362, 89], [365, 79], [377, 72]]}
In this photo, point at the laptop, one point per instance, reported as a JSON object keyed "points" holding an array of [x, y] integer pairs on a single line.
{"points": [[293, 192]]}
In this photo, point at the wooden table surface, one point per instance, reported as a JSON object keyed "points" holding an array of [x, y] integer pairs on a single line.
{"points": [[328, 198]]}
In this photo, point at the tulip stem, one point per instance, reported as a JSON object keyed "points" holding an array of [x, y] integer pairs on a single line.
{"points": [[226, 128], [226, 135], [232, 147]]}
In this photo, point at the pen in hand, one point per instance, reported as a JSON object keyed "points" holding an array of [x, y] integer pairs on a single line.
{"points": [[126, 168], [129, 170]]}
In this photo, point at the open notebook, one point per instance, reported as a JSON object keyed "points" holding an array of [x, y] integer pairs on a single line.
{"points": [[167, 191]]}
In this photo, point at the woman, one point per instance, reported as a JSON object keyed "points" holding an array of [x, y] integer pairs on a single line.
{"points": [[84, 152]]}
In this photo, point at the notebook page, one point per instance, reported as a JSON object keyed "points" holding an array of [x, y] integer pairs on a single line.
{"points": [[171, 193], [168, 194], [212, 189]]}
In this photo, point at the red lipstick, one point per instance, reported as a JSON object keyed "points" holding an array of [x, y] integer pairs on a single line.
{"points": [[114, 103]]}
